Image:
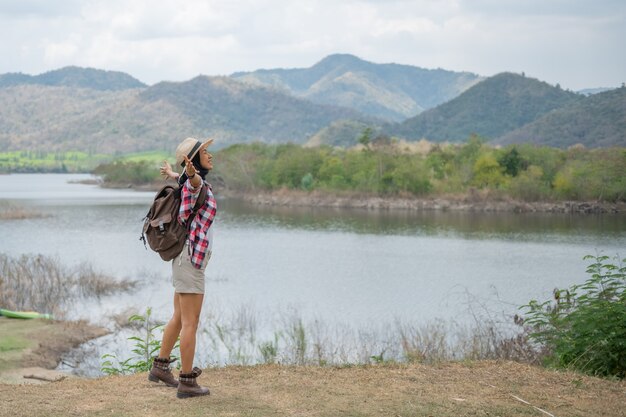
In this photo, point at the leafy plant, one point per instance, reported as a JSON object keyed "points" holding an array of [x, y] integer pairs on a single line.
{"points": [[584, 327], [145, 348], [307, 182], [269, 349]]}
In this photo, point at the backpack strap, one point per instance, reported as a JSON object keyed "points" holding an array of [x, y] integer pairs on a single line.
{"points": [[196, 207], [199, 203]]}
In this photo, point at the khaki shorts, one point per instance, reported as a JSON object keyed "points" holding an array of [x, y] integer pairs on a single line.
{"points": [[185, 277]]}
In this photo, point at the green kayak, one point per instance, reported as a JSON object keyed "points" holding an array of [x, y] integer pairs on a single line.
{"points": [[23, 314]]}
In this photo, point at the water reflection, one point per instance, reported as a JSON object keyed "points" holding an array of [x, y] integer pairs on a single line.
{"points": [[339, 266], [470, 225]]}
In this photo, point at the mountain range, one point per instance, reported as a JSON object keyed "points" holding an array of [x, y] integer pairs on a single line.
{"points": [[597, 121], [157, 117], [490, 109], [331, 102], [75, 77], [391, 91]]}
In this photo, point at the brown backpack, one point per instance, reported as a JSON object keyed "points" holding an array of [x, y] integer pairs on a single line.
{"points": [[161, 228]]}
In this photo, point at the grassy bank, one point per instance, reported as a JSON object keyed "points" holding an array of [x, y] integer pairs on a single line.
{"points": [[38, 343], [40, 283], [484, 388], [69, 162]]}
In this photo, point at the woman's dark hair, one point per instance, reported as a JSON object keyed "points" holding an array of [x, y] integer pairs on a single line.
{"points": [[196, 163], [198, 166]]}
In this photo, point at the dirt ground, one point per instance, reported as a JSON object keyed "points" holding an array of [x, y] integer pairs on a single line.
{"points": [[32, 348], [484, 388]]}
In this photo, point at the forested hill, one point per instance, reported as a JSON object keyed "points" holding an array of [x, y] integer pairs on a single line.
{"points": [[491, 108], [597, 121], [157, 117], [391, 91], [242, 112], [75, 77]]}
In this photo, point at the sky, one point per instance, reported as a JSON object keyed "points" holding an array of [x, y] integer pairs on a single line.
{"points": [[575, 43]]}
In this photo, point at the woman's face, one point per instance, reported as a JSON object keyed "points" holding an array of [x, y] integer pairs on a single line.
{"points": [[206, 159]]}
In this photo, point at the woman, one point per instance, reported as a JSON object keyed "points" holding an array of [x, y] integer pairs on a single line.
{"points": [[188, 268]]}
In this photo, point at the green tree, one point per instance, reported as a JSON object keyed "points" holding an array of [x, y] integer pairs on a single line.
{"points": [[292, 163], [439, 160], [332, 171], [529, 185], [308, 182], [487, 172], [466, 156], [366, 137], [512, 162], [411, 176]]}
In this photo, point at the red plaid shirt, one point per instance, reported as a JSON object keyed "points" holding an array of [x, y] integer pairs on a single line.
{"points": [[199, 243]]}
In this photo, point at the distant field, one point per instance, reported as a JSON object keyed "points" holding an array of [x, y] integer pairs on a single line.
{"points": [[70, 162], [150, 156]]}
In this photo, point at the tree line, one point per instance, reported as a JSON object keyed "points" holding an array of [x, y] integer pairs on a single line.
{"points": [[384, 167]]}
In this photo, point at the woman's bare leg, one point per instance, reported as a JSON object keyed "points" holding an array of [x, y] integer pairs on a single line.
{"points": [[190, 307], [171, 331]]}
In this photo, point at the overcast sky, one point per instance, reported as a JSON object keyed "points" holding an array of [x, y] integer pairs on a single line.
{"points": [[577, 43]]}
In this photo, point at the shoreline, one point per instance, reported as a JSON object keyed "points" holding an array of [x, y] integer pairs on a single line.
{"points": [[472, 202], [35, 348], [293, 198]]}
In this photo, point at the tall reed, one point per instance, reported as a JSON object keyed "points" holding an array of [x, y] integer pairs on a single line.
{"points": [[40, 283], [235, 339]]}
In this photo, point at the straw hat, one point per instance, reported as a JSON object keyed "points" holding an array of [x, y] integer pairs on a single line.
{"points": [[190, 147]]}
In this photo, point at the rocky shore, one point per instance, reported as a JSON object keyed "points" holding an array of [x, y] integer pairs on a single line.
{"points": [[473, 203]]}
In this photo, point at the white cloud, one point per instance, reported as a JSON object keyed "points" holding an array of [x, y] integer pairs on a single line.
{"points": [[59, 52], [41, 8], [574, 42]]}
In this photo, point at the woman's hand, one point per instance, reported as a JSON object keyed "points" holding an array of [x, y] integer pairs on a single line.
{"points": [[166, 171], [190, 170]]}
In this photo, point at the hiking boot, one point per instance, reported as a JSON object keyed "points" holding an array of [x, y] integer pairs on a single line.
{"points": [[188, 386], [161, 371]]}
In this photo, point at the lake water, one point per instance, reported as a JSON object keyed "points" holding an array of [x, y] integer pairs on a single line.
{"points": [[347, 267]]}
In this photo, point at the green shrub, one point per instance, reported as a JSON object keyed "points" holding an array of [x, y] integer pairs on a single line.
{"points": [[145, 348], [307, 182], [584, 327], [529, 186], [487, 172], [128, 172], [411, 178]]}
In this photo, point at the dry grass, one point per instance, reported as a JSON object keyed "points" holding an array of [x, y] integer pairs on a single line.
{"points": [[40, 343], [41, 283], [19, 213], [452, 389], [237, 339]]}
